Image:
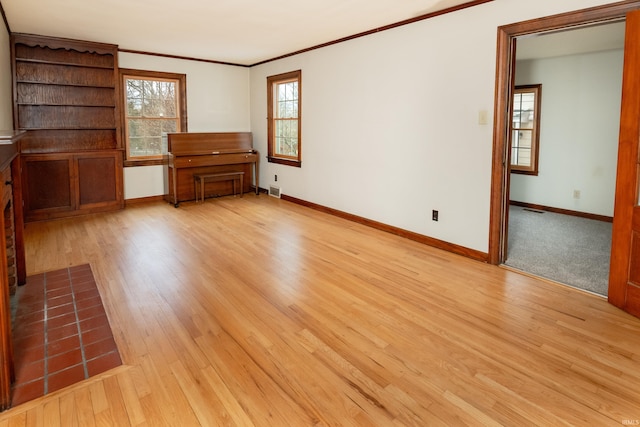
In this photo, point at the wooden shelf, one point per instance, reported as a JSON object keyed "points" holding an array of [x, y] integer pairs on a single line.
{"points": [[69, 128], [63, 75], [10, 136], [36, 82], [65, 105], [70, 64], [61, 95], [65, 117], [69, 140], [66, 98]]}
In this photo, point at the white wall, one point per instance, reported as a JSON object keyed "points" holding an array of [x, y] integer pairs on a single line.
{"points": [[6, 102], [217, 101], [579, 127], [390, 121]]}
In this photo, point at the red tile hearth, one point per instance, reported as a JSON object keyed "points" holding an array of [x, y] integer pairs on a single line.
{"points": [[61, 334]]}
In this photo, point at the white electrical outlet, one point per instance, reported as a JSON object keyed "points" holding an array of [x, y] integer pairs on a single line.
{"points": [[576, 194]]}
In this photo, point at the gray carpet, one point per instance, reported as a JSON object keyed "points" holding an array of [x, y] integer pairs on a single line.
{"points": [[568, 249]]}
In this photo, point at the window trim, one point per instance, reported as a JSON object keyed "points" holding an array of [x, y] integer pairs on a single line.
{"points": [[535, 135], [271, 82], [182, 109]]}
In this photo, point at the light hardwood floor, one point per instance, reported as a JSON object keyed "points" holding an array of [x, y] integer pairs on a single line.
{"points": [[255, 311]]}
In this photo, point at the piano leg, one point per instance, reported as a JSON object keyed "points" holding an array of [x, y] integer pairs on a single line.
{"points": [[256, 172]]}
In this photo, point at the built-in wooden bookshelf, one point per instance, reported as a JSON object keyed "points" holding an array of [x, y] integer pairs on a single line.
{"points": [[66, 97]]}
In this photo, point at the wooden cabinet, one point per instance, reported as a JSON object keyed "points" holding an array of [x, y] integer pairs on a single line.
{"points": [[62, 184], [66, 96]]}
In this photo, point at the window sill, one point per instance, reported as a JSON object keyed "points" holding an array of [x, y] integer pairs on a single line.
{"points": [[524, 172], [144, 162], [281, 161]]}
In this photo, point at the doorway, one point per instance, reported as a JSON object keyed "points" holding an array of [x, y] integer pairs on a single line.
{"points": [[561, 207], [507, 39]]}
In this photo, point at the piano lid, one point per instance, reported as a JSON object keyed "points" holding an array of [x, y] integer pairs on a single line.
{"points": [[202, 143]]}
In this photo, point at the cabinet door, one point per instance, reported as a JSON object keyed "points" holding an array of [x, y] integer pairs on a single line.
{"points": [[99, 180], [60, 185], [48, 185]]}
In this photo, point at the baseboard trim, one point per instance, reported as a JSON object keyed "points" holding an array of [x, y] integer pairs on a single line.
{"points": [[139, 200], [562, 211], [429, 241]]}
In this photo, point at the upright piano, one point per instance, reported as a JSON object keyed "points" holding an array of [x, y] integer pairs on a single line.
{"points": [[189, 154]]}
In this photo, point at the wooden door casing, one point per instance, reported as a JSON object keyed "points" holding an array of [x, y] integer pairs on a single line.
{"points": [[624, 276]]}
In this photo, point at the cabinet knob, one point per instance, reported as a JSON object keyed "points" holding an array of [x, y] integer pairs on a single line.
{"points": [[8, 183]]}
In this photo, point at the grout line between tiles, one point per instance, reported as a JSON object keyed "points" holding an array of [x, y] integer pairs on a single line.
{"points": [[75, 311], [50, 342]]}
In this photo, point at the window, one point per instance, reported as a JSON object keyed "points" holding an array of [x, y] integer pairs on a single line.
{"points": [[284, 118], [525, 129], [154, 104]]}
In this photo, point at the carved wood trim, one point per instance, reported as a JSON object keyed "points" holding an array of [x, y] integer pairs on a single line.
{"points": [[34, 40]]}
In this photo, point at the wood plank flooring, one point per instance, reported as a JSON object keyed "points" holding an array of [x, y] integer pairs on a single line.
{"points": [[255, 311]]}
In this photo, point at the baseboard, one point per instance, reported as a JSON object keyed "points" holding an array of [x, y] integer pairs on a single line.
{"points": [[562, 211], [430, 241], [129, 202], [150, 199]]}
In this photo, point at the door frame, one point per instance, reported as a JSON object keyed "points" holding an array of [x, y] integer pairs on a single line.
{"points": [[505, 73], [624, 275]]}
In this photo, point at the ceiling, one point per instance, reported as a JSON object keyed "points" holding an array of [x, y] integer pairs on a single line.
{"points": [[235, 31]]}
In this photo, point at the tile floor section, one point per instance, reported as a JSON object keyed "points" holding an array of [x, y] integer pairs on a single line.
{"points": [[61, 334]]}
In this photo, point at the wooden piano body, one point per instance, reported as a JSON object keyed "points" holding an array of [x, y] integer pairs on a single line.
{"points": [[208, 153]]}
